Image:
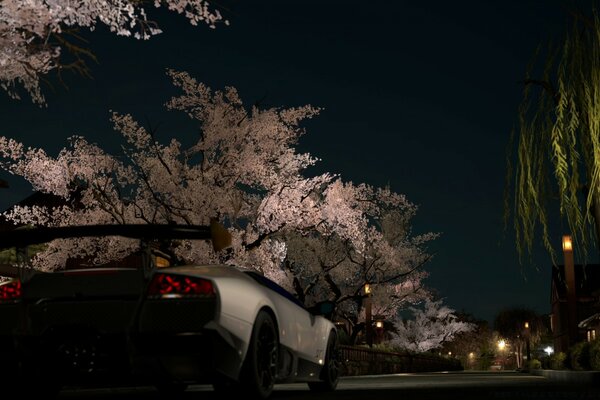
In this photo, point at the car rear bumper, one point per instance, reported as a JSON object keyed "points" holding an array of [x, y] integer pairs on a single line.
{"points": [[82, 357], [179, 338], [73, 356], [80, 342], [189, 357]]}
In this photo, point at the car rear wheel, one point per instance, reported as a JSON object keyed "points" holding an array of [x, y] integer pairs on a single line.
{"points": [[331, 370], [260, 367]]}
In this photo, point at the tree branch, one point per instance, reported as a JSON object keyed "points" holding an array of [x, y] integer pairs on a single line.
{"points": [[547, 86]]}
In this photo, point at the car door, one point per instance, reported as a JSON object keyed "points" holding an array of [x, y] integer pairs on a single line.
{"points": [[287, 308], [303, 332]]}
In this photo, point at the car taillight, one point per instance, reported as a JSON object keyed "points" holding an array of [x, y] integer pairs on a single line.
{"points": [[10, 291], [177, 286]]}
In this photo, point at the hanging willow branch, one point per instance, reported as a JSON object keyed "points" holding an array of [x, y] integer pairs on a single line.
{"points": [[558, 144]]}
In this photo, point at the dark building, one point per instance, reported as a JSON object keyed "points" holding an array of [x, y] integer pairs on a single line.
{"points": [[584, 282]]}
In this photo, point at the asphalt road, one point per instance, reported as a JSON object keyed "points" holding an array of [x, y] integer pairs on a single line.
{"points": [[423, 386]]}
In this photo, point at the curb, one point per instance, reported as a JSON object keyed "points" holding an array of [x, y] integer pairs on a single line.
{"points": [[588, 378]]}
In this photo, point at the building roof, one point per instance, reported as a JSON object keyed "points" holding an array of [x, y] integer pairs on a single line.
{"points": [[587, 280], [590, 321]]}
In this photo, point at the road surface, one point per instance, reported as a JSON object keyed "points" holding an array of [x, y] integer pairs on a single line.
{"points": [[422, 386]]}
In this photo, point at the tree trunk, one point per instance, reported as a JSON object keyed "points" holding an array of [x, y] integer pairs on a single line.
{"points": [[356, 329]]}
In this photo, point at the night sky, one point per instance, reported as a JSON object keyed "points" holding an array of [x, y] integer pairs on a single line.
{"points": [[418, 95]]}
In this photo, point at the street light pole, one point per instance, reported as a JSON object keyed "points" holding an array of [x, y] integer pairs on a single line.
{"points": [[527, 335], [368, 316], [501, 346], [569, 260]]}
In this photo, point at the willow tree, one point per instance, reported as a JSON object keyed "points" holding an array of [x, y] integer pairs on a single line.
{"points": [[558, 147]]}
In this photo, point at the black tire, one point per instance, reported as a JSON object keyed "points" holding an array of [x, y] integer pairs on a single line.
{"points": [[330, 374], [260, 367]]}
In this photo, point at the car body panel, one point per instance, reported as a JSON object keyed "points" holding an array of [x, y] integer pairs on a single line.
{"points": [[240, 300]]}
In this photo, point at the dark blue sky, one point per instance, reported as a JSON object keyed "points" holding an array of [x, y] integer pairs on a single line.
{"points": [[420, 95]]}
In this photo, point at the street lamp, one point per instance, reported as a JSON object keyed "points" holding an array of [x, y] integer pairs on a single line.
{"points": [[527, 335], [501, 347], [379, 330], [569, 260], [368, 318], [567, 243]]}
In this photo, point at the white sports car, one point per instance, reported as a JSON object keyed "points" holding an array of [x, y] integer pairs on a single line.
{"points": [[168, 326]]}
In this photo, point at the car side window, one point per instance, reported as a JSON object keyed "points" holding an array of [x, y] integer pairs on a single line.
{"points": [[266, 282]]}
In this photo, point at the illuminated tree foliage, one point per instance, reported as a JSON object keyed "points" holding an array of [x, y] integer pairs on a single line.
{"points": [[558, 148], [390, 261], [432, 326], [35, 35], [510, 324], [315, 235]]}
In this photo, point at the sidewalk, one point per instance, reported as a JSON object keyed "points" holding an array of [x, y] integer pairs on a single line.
{"points": [[588, 378]]}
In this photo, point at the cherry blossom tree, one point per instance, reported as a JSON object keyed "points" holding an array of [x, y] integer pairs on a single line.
{"points": [[318, 236], [390, 260], [34, 34], [433, 325], [476, 348]]}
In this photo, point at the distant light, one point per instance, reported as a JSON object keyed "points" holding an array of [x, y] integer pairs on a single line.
{"points": [[449, 353], [321, 362], [526, 325], [501, 344], [161, 262], [567, 244], [379, 324], [367, 288], [549, 350], [471, 355]]}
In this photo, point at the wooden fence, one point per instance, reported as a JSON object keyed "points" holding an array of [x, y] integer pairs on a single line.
{"points": [[365, 361]]}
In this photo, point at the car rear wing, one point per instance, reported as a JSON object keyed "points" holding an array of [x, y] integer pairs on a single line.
{"points": [[21, 238]]}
